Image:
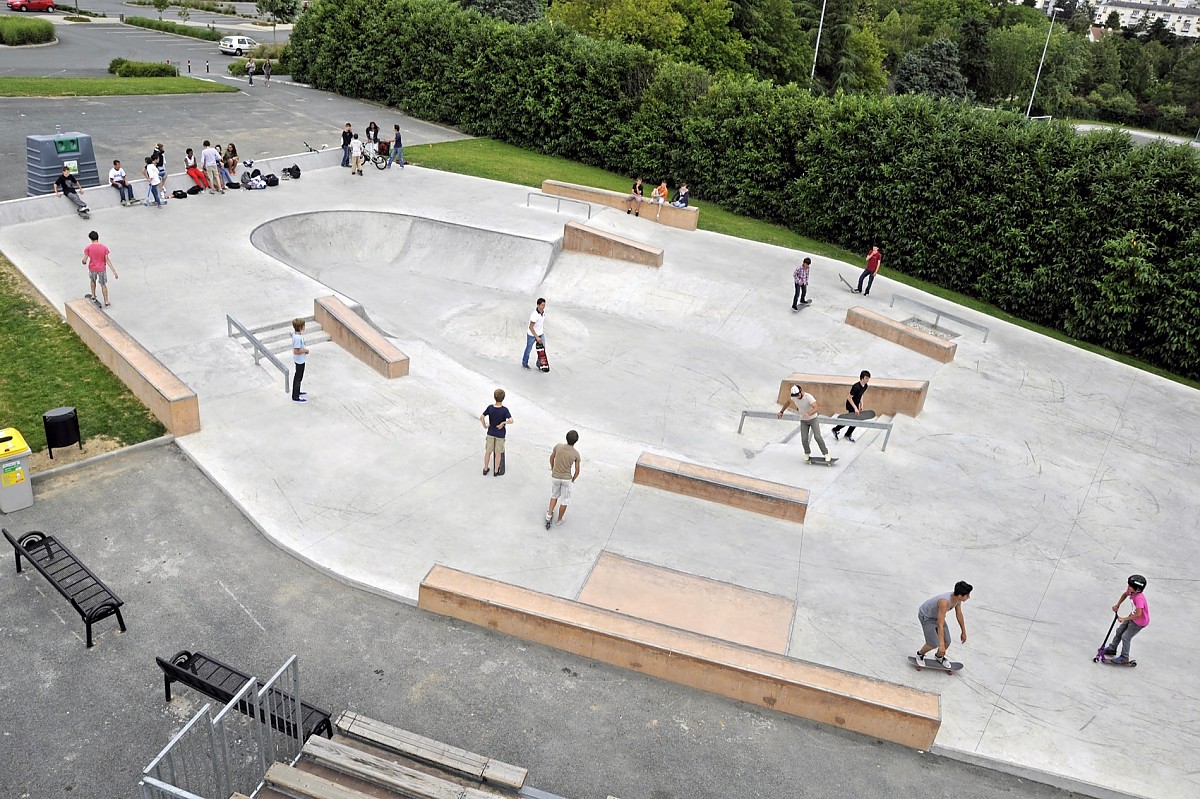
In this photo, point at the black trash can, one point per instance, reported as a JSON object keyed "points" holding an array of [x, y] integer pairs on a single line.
{"points": [[62, 429]]}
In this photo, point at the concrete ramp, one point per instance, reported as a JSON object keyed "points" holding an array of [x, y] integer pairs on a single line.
{"points": [[319, 243]]}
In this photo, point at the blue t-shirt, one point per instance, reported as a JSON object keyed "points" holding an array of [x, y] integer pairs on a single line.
{"points": [[298, 344], [496, 416]]}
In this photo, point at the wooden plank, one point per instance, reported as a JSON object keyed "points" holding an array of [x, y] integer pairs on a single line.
{"points": [[294, 781], [386, 773], [355, 725]]}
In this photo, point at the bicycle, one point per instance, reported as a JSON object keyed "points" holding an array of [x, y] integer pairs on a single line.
{"points": [[372, 156]]}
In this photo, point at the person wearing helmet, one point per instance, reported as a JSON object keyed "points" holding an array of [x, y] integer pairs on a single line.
{"points": [[1132, 624], [805, 405], [932, 615]]}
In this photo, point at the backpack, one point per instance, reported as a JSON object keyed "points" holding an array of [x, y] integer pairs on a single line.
{"points": [[179, 194], [195, 190], [294, 171], [256, 174], [271, 180], [245, 180]]}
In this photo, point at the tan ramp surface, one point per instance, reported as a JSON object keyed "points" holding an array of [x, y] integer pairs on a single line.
{"points": [[899, 333], [701, 605], [887, 397], [353, 334], [727, 488], [581, 238], [861, 704]]}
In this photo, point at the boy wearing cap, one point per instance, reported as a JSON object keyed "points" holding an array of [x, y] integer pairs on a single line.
{"points": [[1132, 624], [806, 405]]}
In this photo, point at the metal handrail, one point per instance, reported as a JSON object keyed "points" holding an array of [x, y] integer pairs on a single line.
{"points": [[558, 201], [260, 349], [831, 420], [938, 314]]}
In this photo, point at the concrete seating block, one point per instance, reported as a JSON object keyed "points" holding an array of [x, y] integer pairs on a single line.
{"points": [[581, 238], [899, 333], [854, 702], [726, 488], [682, 218], [167, 397], [887, 397], [352, 333]]}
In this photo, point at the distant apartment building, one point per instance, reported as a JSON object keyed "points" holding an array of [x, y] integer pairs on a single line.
{"points": [[1182, 17]]}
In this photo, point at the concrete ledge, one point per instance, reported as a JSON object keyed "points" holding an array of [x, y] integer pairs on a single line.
{"points": [[725, 488], [167, 397], [885, 397], [830, 696], [899, 333], [682, 218], [353, 334], [581, 238]]}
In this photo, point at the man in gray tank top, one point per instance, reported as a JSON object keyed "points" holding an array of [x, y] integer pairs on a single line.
{"points": [[932, 615]]}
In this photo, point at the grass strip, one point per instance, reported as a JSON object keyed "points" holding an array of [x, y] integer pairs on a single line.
{"points": [[486, 158], [47, 366], [106, 87]]}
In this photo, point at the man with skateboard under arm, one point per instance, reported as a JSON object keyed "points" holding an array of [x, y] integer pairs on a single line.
{"points": [[854, 403], [932, 615]]}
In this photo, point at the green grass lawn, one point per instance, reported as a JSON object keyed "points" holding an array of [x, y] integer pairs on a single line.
{"points": [[47, 366], [106, 87], [486, 158]]}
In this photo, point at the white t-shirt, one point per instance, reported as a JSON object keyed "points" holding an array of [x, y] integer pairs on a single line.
{"points": [[538, 320], [152, 174], [116, 174], [806, 403], [298, 344], [356, 149], [209, 157]]}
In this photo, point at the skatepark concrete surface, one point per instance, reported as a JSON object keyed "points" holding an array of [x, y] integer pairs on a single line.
{"points": [[1040, 473]]}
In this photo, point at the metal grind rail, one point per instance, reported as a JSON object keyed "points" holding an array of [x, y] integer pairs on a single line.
{"points": [[558, 201], [830, 420], [260, 349], [938, 314]]}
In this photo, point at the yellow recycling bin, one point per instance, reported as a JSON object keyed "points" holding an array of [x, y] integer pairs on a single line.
{"points": [[16, 489]]}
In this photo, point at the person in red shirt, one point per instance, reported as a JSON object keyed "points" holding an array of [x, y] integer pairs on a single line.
{"points": [[873, 259], [98, 261]]}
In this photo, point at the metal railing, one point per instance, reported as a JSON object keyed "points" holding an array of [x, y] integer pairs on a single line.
{"points": [[938, 314], [260, 349], [558, 201], [831, 420], [215, 756]]}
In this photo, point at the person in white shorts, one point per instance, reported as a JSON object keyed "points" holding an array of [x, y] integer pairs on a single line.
{"points": [[562, 458]]}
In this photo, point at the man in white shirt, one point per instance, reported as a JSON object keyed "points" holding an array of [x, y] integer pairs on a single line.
{"points": [[209, 160], [116, 179], [806, 405], [356, 155], [154, 180], [537, 322]]}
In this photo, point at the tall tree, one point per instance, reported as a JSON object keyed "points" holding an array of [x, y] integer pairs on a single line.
{"points": [[280, 10], [778, 48], [974, 53], [518, 11], [932, 70]]}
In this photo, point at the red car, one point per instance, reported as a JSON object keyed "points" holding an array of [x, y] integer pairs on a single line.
{"points": [[31, 5]]}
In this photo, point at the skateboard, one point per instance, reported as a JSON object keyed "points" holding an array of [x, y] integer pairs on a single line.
{"points": [[95, 301], [820, 461], [857, 417], [802, 305], [500, 468], [933, 664], [852, 289], [84, 213], [542, 361]]}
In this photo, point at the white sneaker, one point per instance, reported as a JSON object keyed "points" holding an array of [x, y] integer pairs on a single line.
{"points": [[807, 457], [558, 523]]}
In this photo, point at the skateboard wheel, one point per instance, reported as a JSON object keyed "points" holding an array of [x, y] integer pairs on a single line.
{"points": [[1095, 660]]}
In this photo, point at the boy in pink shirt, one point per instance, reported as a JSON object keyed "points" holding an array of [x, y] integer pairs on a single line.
{"points": [[98, 261], [1132, 624]]}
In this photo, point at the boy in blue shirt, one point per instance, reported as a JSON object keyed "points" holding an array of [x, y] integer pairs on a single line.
{"points": [[496, 418]]}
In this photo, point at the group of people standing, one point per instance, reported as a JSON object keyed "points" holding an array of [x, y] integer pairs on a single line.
{"points": [[211, 171], [354, 149]]}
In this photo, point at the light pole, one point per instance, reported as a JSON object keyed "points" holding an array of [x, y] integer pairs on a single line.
{"points": [[1038, 77], [817, 48]]}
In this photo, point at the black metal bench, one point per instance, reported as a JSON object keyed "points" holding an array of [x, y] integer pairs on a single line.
{"points": [[221, 681], [91, 598]]}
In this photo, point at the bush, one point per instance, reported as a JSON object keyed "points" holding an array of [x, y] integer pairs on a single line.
{"points": [[15, 32], [237, 67], [208, 34], [147, 69], [115, 65], [1083, 233], [275, 52]]}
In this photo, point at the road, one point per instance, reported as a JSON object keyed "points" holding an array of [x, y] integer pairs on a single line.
{"points": [[261, 121], [194, 574]]}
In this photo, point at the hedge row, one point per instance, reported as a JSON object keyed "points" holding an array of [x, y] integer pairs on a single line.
{"points": [[1085, 234], [237, 67], [208, 34], [124, 68], [15, 32]]}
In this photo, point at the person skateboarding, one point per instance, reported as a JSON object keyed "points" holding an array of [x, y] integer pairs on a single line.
{"points": [[932, 615], [1132, 624], [854, 403], [806, 405]]}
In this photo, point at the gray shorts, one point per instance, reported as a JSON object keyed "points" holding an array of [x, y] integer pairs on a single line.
{"points": [[100, 277], [930, 628], [561, 490]]}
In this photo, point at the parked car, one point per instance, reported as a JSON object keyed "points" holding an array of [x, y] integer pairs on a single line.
{"points": [[32, 5], [230, 45]]}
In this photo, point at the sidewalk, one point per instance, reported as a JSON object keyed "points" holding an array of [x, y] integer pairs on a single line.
{"points": [[1030, 473]]}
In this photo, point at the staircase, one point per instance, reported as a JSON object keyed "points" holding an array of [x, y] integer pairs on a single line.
{"points": [[277, 337]]}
